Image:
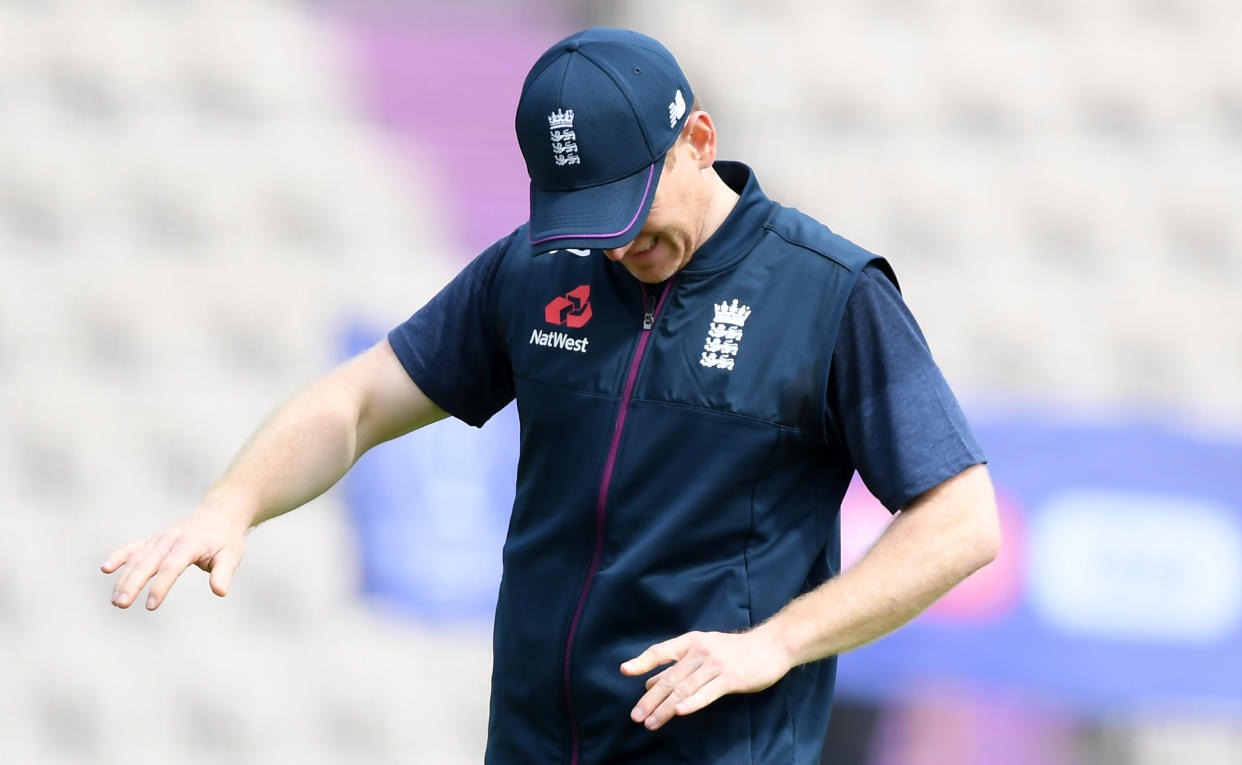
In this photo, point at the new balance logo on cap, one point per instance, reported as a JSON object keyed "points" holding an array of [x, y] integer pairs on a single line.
{"points": [[676, 110]]}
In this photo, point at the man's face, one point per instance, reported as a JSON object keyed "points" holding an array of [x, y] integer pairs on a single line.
{"points": [[674, 227]]}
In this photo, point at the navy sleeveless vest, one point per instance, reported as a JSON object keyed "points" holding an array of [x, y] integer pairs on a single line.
{"points": [[675, 475]]}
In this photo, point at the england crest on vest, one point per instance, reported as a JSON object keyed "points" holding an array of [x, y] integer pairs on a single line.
{"points": [[724, 336]]}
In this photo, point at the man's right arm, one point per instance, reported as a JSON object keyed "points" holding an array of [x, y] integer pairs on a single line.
{"points": [[305, 448]]}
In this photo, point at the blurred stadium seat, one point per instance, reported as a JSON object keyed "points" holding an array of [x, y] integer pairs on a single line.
{"points": [[1062, 166], [195, 199]]}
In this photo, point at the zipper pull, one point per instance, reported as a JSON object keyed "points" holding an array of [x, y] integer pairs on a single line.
{"points": [[649, 316]]}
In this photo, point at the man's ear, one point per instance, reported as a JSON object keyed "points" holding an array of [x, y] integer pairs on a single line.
{"points": [[700, 135]]}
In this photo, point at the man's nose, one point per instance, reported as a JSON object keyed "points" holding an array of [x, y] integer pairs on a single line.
{"points": [[617, 254]]}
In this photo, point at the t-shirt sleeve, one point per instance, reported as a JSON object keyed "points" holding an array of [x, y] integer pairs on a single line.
{"points": [[890, 409], [451, 347]]}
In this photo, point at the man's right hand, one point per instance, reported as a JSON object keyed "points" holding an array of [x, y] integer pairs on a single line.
{"points": [[212, 540], [301, 451]]}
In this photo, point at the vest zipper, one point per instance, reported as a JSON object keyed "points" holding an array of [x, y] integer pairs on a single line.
{"points": [[651, 309]]}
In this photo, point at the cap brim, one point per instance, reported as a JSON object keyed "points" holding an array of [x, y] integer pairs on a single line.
{"points": [[597, 218]]}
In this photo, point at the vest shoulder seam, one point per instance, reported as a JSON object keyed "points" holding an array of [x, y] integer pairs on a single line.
{"points": [[809, 248]]}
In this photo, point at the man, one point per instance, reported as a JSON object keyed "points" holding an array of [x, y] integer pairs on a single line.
{"points": [[699, 371]]}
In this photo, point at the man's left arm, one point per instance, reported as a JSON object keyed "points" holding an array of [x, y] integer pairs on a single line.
{"points": [[939, 539], [891, 413]]}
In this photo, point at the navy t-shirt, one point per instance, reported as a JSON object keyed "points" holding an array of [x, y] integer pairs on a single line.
{"points": [[889, 407], [890, 410]]}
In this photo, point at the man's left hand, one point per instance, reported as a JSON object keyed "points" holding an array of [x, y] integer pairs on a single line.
{"points": [[706, 666]]}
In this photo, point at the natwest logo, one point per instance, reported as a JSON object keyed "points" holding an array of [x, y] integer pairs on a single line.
{"points": [[573, 309]]}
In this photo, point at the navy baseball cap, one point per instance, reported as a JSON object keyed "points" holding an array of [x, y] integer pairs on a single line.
{"points": [[598, 113]]}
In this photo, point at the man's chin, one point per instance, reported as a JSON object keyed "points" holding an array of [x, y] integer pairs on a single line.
{"points": [[653, 274]]}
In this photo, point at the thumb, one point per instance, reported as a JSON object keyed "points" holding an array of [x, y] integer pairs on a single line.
{"points": [[225, 564], [660, 653]]}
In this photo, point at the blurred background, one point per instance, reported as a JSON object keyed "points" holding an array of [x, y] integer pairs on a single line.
{"points": [[206, 204]]}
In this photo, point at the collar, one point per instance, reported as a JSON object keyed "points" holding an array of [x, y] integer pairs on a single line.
{"points": [[741, 230]]}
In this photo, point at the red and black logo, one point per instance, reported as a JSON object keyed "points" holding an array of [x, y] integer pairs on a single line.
{"points": [[573, 309]]}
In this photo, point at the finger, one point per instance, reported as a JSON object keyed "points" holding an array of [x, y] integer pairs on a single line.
{"points": [[660, 653], [141, 567], [120, 555], [663, 686], [226, 562], [175, 562], [691, 683], [709, 692]]}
